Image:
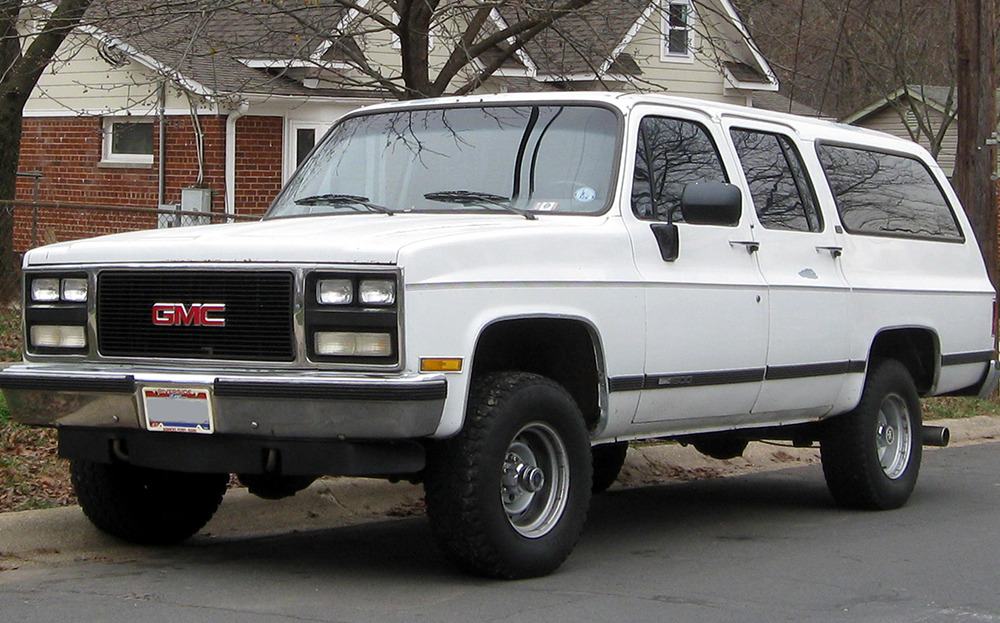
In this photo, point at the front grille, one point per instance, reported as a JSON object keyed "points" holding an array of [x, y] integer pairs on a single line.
{"points": [[258, 315]]}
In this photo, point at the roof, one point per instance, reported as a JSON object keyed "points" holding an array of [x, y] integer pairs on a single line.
{"points": [[780, 102], [270, 46], [578, 43], [942, 98], [226, 38]]}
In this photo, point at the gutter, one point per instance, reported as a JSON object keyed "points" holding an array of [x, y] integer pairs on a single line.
{"points": [[231, 120], [162, 147]]}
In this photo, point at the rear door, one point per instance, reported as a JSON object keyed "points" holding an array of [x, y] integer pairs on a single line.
{"points": [[799, 257]]}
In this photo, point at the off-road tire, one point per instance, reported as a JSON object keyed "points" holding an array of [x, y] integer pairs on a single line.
{"points": [[510, 414], [608, 461], [871, 456], [146, 506]]}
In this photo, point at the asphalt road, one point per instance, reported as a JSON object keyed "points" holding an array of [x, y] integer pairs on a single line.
{"points": [[765, 547]]}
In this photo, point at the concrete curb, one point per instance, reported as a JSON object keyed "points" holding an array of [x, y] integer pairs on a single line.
{"points": [[54, 535]]}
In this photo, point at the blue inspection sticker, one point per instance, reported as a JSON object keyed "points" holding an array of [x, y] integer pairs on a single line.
{"points": [[585, 194]]}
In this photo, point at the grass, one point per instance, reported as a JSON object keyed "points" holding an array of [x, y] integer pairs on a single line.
{"points": [[943, 407]]}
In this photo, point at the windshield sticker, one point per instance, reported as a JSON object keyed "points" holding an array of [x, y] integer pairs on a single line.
{"points": [[545, 206], [585, 194]]}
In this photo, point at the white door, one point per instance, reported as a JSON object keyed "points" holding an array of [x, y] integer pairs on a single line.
{"points": [[799, 257], [706, 311]]}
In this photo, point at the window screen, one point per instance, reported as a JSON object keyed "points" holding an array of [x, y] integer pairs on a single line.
{"points": [[887, 194], [782, 195], [671, 153], [131, 138]]}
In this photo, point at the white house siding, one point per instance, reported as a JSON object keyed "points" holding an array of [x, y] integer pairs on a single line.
{"points": [[701, 77], [79, 81]]}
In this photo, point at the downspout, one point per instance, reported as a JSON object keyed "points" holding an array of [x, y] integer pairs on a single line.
{"points": [[231, 156], [161, 114]]}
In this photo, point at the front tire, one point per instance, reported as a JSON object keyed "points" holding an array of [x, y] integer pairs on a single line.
{"points": [[507, 497], [871, 456], [146, 506], [608, 461]]}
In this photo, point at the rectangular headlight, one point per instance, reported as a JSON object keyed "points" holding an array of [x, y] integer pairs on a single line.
{"points": [[44, 290], [348, 344], [58, 336], [377, 292], [335, 291], [74, 290]]}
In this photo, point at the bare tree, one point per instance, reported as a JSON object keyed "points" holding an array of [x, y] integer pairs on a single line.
{"points": [[976, 156], [21, 64]]}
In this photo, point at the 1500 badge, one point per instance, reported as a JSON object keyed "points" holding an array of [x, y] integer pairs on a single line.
{"points": [[193, 315]]}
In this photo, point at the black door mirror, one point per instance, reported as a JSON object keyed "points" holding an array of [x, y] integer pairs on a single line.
{"points": [[712, 203]]}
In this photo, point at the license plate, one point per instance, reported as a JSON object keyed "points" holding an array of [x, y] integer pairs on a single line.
{"points": [[178, 410]]}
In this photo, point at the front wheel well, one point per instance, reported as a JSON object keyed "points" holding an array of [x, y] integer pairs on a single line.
{"points": [[563, 350]]}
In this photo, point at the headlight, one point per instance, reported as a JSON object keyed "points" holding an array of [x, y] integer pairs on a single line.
{"points": [[377, 292], [335, 291], [74, 290], [58, 336], [44, 290], [53, 290], [346, 344]]}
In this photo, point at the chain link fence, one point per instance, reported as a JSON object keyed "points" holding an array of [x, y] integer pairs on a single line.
{"points": [[36, 223]]}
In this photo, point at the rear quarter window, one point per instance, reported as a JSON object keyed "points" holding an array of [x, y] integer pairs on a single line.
{"points": [[884, 194]]}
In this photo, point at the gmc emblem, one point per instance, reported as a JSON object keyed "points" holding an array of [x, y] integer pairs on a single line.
{"points": [[194, 315]]}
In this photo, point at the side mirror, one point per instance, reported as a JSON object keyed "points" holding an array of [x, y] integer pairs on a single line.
{"points": [[712, 203]]}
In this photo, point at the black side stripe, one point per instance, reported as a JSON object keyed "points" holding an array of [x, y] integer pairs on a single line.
{"points": [[775, 373], [730, 377], [958, 359]]}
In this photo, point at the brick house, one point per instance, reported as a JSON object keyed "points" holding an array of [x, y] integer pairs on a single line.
{"points": [[143, 115]]}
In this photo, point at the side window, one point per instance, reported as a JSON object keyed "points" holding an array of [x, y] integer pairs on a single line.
{"points": [[671, 153], [782, 194], [886, 194]]}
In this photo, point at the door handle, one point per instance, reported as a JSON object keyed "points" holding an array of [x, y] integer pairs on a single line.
{"points": [[835, 251], [752, 246]]}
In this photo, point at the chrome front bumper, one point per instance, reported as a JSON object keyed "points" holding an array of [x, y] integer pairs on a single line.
{"points": [[287, 405]]}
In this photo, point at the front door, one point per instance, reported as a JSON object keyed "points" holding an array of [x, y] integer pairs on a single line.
{"points": [[706, 311]]}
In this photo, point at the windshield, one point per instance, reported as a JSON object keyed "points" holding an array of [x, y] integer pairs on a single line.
{"points": [[505, 159]]}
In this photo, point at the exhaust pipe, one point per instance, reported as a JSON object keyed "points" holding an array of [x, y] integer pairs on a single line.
{"points": [[936, 436]]}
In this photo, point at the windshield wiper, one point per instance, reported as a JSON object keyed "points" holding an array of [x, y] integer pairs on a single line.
{"points": [[337, 200], [470, 197]]}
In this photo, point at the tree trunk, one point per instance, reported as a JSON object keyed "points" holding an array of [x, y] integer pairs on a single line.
{"points": [[10, 147], [975, 158]]}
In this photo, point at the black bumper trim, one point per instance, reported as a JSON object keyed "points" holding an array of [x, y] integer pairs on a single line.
{"points": [[437, 390], [189, 452], [81, 384]]}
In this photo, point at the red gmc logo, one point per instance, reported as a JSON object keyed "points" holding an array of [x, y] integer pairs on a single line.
{"points": [[193, 315]]}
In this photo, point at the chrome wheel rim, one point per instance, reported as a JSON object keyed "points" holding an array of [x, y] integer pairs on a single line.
{"points": [[893, 436], [534, 482]]}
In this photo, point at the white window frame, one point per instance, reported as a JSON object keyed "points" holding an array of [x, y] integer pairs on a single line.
{"points": [[291, 141], [107, 155], [665, 30]]}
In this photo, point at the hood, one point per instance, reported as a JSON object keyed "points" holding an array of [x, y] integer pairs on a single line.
{"points": [[347, 239]]}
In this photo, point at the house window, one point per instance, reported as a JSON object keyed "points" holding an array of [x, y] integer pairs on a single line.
{"points": [[128, 141], [677, 32]]}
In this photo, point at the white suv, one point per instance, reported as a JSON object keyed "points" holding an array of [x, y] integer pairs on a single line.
{"points": [[494, 295]]}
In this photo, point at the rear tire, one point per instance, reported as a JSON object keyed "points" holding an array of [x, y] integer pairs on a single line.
{"points": [[507, 497], [146, 506], [871, 456]]}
